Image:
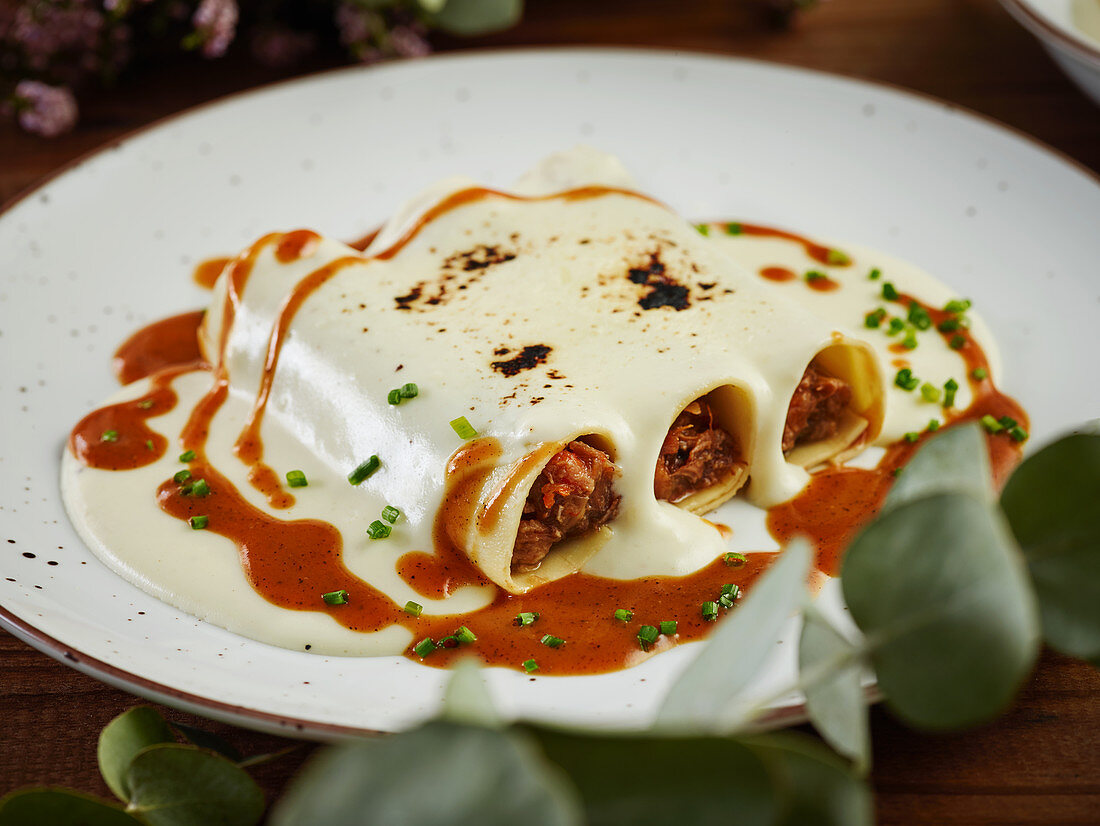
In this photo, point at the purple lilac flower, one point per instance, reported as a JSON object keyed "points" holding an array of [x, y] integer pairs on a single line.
{"points": [[45, 110], [216, 21], [406, 42]]}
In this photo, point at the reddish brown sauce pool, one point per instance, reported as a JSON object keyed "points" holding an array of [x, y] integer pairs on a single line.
{"points": [[292, 562]]}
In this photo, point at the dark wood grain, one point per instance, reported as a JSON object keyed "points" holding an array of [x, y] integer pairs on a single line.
{"points": [[1040, 763]]}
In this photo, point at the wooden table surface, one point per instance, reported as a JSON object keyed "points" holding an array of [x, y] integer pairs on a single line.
{"points": [[1040, 763]]}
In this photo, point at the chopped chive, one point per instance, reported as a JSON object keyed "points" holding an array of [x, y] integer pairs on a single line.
{"points": [[463, 428], [199, 488], [912, 436], [837, 258], [710, 611], [181, 477], [732, 591], [187, 456], [109, 436], [918, 316], [390, 513], [149, 444], [364, 470], [1007, 422], [448, 642], [874, 318], [930, 392], [957, 306], [991, 425], [725, 601], [425, 647], [910, 340], [816, 275], [335, 597], [526, 618], [896, 326], [948, 325], [875, 274], [530, 666], [465, 635], [409, 391], [979, 374], [414, 609], [668, 627], [933, 425], [703, 229], [733, 228], [550, 641], [906, 380], [145, 404], [378, 530], [957, 342], [647, 635], [394, 397], [896, 472], [623, 615], [950, 388], [296, 479], [197, 523], [735, 560], [889, 292], [1018, 434]]}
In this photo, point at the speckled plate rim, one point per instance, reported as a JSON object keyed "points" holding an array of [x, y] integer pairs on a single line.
{"points": [[1041, 26], [295, 727]]}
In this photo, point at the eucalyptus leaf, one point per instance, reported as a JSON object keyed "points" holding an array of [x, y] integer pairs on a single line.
{"points": [[176, 785], [938, 587], [815, 787], [208, 740], [955, 459], [835, 700], [466, 698], [442, 773], [432, 6], [125, 736], [738, 646], [652, 779], [1052, 502], [60, 807], [470, 17]]}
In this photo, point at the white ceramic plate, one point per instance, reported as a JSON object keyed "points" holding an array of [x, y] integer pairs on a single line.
{"points": [[109, 245]]}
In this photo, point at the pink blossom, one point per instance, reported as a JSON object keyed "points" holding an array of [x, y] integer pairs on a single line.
{"points": [[405, 42], [44, 110], [216, 21]]}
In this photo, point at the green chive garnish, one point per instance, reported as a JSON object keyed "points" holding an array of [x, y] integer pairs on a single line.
{"points": [[149, 444], [735, 560], [1007, 422], [979, 374], [199, 488], [910, 340], [912, 436], [957, 342], [930, 392], [526, 618], [530, 666], [732, 591], [815, 275], [710, 611], [889, 292], [668, 627], [733, 228], [874, 318], [409, 391], [991, 425], [950, 388], [918, 316], [296, 479], [197, 523], [896, 472], [875, 274], [335, 597], [425, 647], [364, 470], [145, 404], [550, 641], [957, 306], [390, 513], [948, 325], [1018, 434], [623, 615], [463, 428], [109, 436], [378, 530], [906, 380], [465, 635], [933, 425], [414, 608], [187, 456], [896, 326], [703, 229], [394, 397], [647, 635], [837, 258], [181, 477]]}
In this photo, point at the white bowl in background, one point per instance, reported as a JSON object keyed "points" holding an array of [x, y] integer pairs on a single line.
{"points": [[1059, 26]]}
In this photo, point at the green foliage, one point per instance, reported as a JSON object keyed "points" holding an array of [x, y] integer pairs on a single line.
{"points": [[955, 460], [466, 698], [207, 740], [125, 736], [60, 807], [471, 17], [1052, 503]]}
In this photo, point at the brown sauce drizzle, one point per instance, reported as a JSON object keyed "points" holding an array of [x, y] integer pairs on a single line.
{"points": [[165, 343], [823, 285], [206, 272], [818, 252], [778, 274], [291, 563]]}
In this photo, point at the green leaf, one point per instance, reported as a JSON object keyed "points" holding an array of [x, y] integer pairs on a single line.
{"points": [[470, 17], [208, 740], [175, 785], [939, 588], [738, 646], [1052, 502], [831, 670], [466, 698], [815, 787], [955, 459], [653, 779], [60, 807], [125, 736], [442, 773]]}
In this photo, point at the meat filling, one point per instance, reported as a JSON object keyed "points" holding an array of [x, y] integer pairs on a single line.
{"points": [[696, 454], [815, 409], [572, 496]]}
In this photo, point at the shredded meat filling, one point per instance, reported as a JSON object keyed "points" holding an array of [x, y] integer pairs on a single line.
{"points": [[696, 454], [815, 409], [572, 496]]}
